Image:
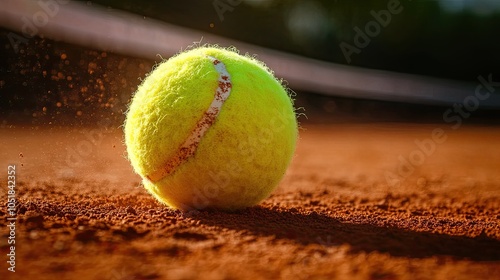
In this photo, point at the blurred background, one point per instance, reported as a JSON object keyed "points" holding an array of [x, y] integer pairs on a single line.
{"points": [[48, 79]]}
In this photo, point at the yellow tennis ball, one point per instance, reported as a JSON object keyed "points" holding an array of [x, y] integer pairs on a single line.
{"points": [[210, 128]]}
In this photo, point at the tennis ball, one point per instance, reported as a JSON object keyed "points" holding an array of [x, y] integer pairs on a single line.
{"points": [[210, 128]]}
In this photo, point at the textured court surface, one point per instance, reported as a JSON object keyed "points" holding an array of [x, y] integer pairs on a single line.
{"points": [[359, 202]]}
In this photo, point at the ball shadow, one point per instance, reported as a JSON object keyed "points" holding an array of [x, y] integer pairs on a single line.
{"points": [[319, 229]]}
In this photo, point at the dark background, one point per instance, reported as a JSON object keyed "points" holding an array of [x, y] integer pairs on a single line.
{"points": [[51, 82], [427, 37]]}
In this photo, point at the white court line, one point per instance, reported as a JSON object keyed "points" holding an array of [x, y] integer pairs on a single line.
{"points": [[130, 34]]}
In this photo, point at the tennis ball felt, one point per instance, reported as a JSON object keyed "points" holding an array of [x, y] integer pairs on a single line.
{"points": [[210, 128]]}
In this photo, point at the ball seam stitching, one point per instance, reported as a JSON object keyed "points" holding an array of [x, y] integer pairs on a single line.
{"points": [[190, 145]]}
